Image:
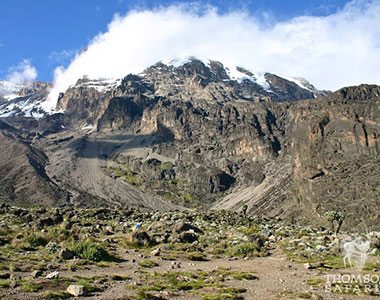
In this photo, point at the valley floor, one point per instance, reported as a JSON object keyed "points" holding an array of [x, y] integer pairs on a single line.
{"points": [[178, 255]]}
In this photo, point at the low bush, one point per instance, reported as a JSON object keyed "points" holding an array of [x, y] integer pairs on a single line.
{"points": [[90, 250], [246, 249], [34, 241]]}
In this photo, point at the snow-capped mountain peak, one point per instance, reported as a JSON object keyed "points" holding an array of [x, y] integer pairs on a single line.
{"points": [[34, 100]]}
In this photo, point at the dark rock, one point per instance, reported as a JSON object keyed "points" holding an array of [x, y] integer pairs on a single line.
{"points": [[188, 237], [182, 226], [140, 238], [36, 273], [5, 275], [66, 254]]}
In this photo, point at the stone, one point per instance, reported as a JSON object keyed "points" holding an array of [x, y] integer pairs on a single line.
{"points": [[156, 252], [36, 273], [76, 290], [52, 275], [5, 275], [320, 248], [188, 237], [182, 226], [140, 237], [311, 266], [66, 254]]}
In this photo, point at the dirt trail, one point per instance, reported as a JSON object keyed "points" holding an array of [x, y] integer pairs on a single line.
{"points": [[278, 277]]}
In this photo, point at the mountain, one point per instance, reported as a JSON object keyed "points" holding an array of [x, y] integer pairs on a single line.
{"points": [[30, 99], [197, 133], [23, 99]]}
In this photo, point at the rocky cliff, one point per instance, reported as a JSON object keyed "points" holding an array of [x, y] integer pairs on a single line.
{"points": [[201, 134]]}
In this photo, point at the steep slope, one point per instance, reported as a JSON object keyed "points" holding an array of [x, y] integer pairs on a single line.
{"points": [[330, 158], [223, 143], [204, 135], [77, 163], [23, 179]]}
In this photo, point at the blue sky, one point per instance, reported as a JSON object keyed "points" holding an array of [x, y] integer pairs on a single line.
{"points": [[49, 32]]}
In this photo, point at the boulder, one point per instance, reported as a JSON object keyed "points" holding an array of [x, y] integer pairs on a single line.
{"points": [[36, 273], [140, 237], [188, 237], [76, 290], [5, 275], [66, 254], [156, 252], [182, 227]]}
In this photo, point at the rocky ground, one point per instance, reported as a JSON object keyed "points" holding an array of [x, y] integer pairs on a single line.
{"points": [[105, 254]]}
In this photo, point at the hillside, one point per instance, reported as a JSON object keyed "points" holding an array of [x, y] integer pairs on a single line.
{"points": [[196, 134]]}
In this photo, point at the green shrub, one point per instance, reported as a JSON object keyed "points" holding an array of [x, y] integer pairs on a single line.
{"points": [[132, 179], [58, 233], [166, 166], [56, 295], [244, 276], [147, 263], [30, 287], [141, 295], [246, 249], [88, 286], [90, 250], [4, 283], [34, 241], [221, 296], [254, 229]]}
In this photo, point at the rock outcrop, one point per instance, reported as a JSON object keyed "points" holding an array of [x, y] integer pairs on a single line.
{"points": [[196, 135]]}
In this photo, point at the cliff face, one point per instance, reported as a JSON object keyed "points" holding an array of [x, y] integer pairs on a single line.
{"points": [[23, 176], [336, 151], [197, 136], [115, 105]]}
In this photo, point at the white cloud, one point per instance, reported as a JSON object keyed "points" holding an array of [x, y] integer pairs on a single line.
{"points": [[61, 56], [24, 72], [332, 51]]}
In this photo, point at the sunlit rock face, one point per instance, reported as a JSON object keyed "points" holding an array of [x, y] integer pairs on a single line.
{"points": [[200, 133]]}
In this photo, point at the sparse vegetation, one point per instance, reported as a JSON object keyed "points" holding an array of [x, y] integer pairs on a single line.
{"points": [[171, 267], [56, 295], [90, 250], [166, 166], [34, 241], [30, 286], [246, 249], [147, 263], [316, 281], [336, 219], [4, 283]]}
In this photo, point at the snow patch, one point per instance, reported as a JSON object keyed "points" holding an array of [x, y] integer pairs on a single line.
{"points": [[9, 90], [301, 82], [101, 85], [232, 70], [237, 73], [179, 62]]}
